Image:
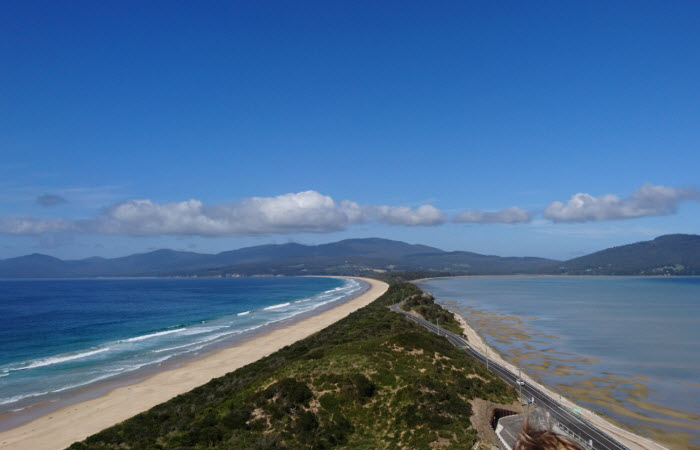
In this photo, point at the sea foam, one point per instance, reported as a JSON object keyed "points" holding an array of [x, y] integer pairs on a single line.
{"points": [[281, 305], [153, 335], [56, 359]]}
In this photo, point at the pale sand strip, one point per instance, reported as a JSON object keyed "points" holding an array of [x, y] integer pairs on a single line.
{"points": [[625, 437], [61, 428]]}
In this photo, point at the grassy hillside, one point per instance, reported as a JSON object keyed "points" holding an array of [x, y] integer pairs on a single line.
{"points": [[371, 380]]}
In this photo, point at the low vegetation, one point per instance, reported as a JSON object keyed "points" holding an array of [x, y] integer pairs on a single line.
{"points": [[424, 305], [371, 380]]}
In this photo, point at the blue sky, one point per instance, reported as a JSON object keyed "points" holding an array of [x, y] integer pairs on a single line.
{"points": [[323, 121]]}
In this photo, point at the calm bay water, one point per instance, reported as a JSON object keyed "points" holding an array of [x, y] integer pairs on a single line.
{"points": [[58, 336], [626, 347]]}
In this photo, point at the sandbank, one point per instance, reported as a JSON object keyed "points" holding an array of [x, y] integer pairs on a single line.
{"points": [[60, 428]]}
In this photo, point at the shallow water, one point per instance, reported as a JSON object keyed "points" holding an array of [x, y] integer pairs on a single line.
{"points": [[627, 347]]}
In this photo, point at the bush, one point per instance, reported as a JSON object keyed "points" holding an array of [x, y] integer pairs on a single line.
{"points": [[361, 387]]}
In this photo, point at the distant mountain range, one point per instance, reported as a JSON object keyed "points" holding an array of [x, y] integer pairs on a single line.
{"points": [[676, 254]]}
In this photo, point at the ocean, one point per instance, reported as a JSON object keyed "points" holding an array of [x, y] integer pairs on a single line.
{"points": [[58, 337], [626, 347]]}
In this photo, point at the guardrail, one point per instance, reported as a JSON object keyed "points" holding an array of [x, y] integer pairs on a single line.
{"points": [[572, 434]]}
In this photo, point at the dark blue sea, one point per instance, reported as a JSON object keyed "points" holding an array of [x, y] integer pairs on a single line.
{"points": [[627, 347], [60, 336]]}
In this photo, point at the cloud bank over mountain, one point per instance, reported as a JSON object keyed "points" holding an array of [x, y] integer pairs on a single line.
{"points": [[302, 212], [313, 212]]}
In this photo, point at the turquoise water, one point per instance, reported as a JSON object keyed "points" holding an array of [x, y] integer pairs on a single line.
{"points": [[622, 346], [60, 336]]}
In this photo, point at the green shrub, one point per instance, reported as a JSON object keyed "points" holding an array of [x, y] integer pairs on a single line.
{"points": [[361, 387]]}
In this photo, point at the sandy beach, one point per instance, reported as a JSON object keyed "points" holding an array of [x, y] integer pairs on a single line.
{"points": [[75, 422], [625, 437]]}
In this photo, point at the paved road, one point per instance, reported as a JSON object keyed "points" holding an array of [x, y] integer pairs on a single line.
{"points": [[587, 431]]}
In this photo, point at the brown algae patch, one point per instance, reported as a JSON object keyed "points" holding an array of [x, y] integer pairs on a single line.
{"points": [[519, 356], [642, 378], [508, 330], [500, 327], [565, 370], [646, 416], [675, 440]]}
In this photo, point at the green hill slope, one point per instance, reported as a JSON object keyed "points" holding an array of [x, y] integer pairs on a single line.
{"points": [[673, 254], [371, 380]]}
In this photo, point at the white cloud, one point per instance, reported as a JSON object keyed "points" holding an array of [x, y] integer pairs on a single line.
{"points": [[648, 200], [289, 213], [354, 212], [425, 215], [510, 215], [33, 226], [307, 211], [303, 212]]}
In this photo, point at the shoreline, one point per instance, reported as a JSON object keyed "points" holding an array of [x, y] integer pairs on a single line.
{"points": [[75, 422], [15, 418], [544, 275], [627, 438]]}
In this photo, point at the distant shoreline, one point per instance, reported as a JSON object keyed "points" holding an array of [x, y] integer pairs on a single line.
{"points": [[544, 275], [74, 422], [417, 280]]}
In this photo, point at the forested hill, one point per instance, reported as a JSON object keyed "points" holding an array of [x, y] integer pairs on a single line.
{"points": [[676, 254], [672, 254], [347, 257]]}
